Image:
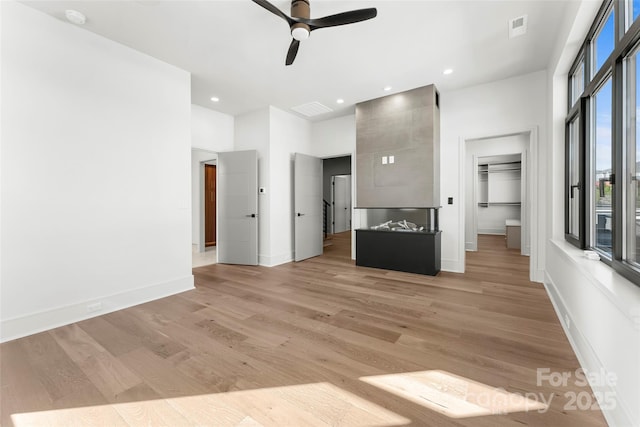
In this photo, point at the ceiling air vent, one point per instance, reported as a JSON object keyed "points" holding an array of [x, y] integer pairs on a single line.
{"points": [[312, 109], [518, 26]]}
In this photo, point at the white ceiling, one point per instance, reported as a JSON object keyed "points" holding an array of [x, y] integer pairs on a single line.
{"points": [[236, 50]]}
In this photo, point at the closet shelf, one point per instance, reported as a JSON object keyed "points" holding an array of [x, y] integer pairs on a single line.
{"points": [[484, 165], [485, 171], [487, 204]]}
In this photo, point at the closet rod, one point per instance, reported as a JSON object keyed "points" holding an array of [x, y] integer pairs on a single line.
{"points": [[500, 163]]}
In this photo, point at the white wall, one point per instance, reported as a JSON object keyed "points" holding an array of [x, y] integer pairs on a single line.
{"points": [[599, 310], [334, 137], [211, 132], [276, 135], [95, 174], [507, 106], [252, 133], [600, 313], [289, 134]]}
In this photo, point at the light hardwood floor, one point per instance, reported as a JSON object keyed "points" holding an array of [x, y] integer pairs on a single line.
{"points": [[320, 342]]}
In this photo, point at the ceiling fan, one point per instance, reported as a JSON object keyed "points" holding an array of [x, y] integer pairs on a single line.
{"points": [[301, 24]]}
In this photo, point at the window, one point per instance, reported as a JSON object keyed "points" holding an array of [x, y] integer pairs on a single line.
{"points": [[632, 140], [634, 11], [576, 83], [602, 151], [601, 170], [603, 43], [574, 221]]}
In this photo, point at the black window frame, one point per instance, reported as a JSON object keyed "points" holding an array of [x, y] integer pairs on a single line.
{"points": [[578, 111], [581, 59], [625, 42]]}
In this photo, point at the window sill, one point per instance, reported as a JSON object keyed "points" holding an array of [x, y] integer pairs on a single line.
{"points": [[624, 294]]}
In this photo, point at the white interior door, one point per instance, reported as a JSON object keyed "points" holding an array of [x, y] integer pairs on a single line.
{"points": [[238, 207], [307, 206], [341, 203]]}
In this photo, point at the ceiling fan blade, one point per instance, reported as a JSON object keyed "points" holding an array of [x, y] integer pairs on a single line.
{"points": [[293, 51], [271, 8], [342, 18]]}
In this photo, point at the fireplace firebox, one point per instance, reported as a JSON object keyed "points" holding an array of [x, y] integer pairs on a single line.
{"points": [[401, 239]]}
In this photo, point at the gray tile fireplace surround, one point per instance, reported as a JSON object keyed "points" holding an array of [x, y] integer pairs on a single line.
{"points": [[398, 150], [398, 178]]}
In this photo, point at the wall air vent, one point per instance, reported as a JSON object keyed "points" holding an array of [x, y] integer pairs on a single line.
{"points": [[312, 109], [518, 26]]}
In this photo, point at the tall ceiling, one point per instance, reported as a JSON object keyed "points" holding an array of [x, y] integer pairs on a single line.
{"points": [[235, 50]]}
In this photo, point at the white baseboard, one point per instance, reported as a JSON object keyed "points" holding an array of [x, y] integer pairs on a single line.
{"points": [[493, 231], [30, 324], [620, 416], [272, 261], [452, 265], [538, 276], [470, 246]]}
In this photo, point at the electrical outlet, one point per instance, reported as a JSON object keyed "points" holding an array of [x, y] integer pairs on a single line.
{"points": [[567, 321], [384, 160], [94, 307]]}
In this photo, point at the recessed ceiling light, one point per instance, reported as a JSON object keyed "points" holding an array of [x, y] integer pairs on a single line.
{"points": [[215, 99], [387, 88], [75, 17], [340, 101], [447, 71]]}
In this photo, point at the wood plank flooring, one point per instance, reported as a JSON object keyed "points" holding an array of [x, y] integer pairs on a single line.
{"points": [[320, 342]]}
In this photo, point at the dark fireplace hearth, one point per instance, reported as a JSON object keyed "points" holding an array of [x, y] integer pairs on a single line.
{"points": [[399, 239]]}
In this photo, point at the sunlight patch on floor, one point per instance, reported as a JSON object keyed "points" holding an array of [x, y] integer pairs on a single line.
{"points": [[452, 395], [305, 404]]}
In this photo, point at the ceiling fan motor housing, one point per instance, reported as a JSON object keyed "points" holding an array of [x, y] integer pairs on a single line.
{"points": [[300, 9]]}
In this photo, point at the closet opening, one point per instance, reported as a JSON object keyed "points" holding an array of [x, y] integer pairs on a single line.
{"points": [[497, 198]]}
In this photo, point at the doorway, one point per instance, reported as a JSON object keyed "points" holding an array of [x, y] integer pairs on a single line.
{"points": [[499, 197], [209, 205], [341, 203], [331, 168], [202, 254], [497, 207]]}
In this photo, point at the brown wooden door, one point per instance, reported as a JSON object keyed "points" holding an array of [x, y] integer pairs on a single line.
{"points": [[210, 205]]}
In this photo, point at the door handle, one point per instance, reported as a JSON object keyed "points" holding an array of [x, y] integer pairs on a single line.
{"points": [[573, 187], [251, 216], [300, 214], [611, 179]]}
